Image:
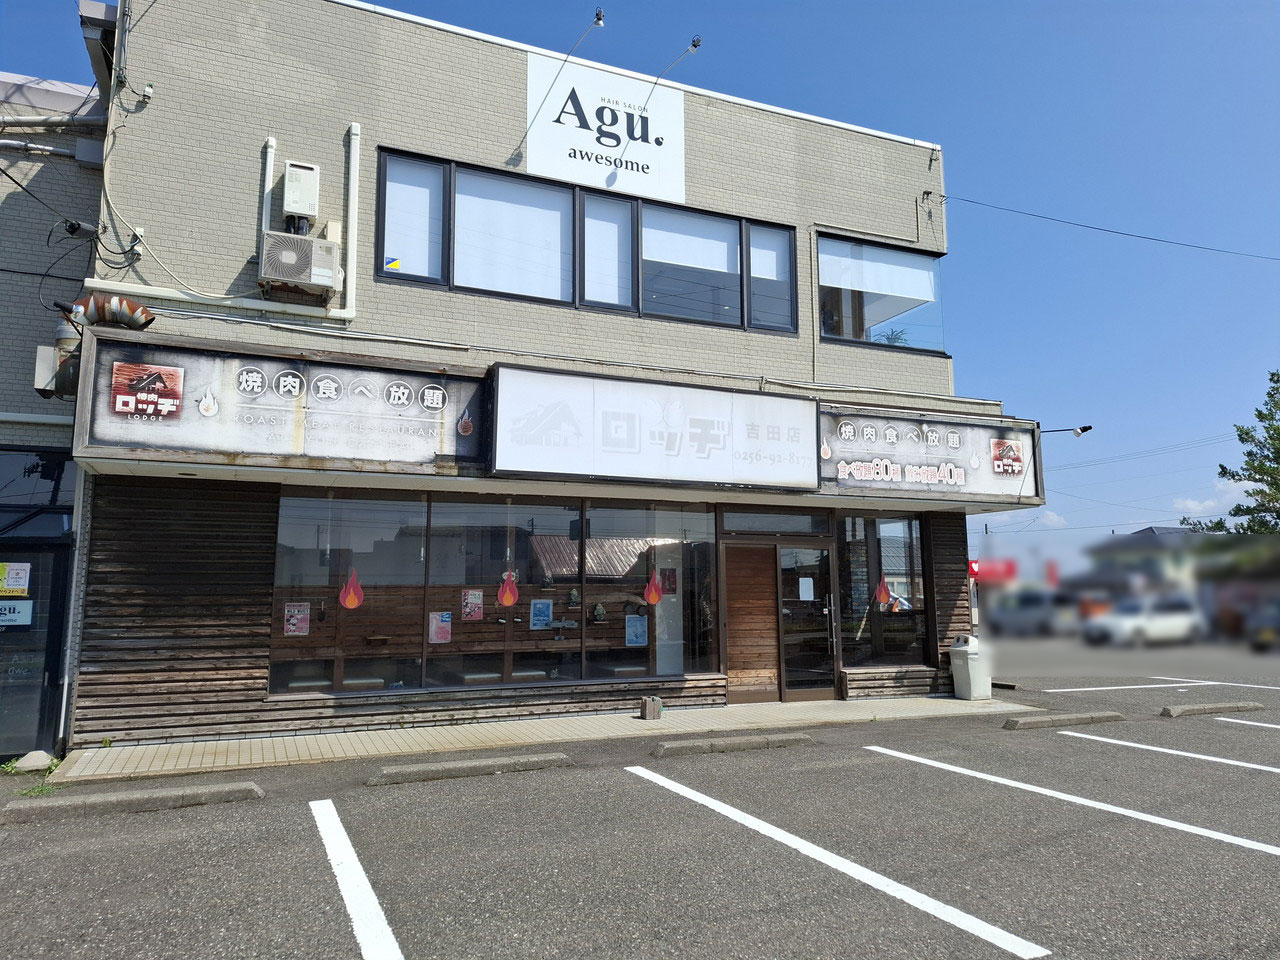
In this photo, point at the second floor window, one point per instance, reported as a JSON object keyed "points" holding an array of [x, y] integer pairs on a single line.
{"points": [[481, 230], [865, 292]]}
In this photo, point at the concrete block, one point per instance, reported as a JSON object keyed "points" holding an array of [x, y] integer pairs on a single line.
{"points": [[31, 809], [452, 769], [682, 748], [1192, 709], [1061, 720], [34, 762]]}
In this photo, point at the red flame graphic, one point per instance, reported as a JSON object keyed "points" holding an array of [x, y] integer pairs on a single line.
{"points": [[826, 449], [352, 595], [507, 593], [882, 591], [465, 426], [653, 591]]}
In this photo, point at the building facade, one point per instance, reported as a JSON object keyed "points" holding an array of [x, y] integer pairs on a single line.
{"points": [[533, 387], [50, 178]]}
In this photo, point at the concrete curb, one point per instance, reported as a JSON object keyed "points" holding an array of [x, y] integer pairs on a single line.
{"points": [[682, 748], [32, 809], [1061, 720], [1191, 709], [451, 769]]}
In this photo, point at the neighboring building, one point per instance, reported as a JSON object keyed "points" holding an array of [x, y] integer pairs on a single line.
{"points": [[524, 387], [50, 171], [1153, 558]]}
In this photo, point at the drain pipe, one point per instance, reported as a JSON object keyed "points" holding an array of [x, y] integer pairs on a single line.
{"points": [[78, 121], [26, 147], [146, 292], [268, 178]]}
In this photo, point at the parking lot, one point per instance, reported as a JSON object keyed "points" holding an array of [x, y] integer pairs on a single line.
{"points": [[1149, 838]]}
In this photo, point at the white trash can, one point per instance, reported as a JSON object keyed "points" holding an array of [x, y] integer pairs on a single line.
{"points": [[971, 668]]}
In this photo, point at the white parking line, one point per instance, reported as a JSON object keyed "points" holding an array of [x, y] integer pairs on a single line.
{"points": [[1179, 753], [1085, 802], [957, 918], [373, 933], [1218, 683], [1251, 723], [1136, 686]]}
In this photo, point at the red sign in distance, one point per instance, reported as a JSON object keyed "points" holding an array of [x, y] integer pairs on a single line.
{"points": [[993, 570]]}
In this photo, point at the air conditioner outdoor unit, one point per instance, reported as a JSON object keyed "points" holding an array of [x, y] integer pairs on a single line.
{"points": [[304, 263]]}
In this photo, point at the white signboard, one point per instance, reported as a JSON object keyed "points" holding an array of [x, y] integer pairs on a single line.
{"points": [[567, 425], [603, 130], [169, 398], [871, 451]]}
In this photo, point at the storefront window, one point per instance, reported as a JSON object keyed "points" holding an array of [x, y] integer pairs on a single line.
{"points": [[882, 593], [760, 521], [37, 490], [389, 594], [348, 612], [507, 576], [650, 591]]}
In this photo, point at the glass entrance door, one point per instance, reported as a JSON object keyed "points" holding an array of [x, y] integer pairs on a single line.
{"points": [[32, 613], [809, 648]]}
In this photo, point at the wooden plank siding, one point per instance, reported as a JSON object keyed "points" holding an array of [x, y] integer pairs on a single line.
{"points": [[751, 601], [948, 552], [177, 633]]}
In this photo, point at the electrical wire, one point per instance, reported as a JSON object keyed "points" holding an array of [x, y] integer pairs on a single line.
{"points": [[1145, 454], [36, 197], [1119, 233]]}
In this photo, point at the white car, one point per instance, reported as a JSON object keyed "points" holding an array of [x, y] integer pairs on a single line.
{"points": [[1031, 612], [1141, 621]]}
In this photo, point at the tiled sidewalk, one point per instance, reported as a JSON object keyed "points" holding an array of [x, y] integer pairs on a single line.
{"points": [[112, 763]]}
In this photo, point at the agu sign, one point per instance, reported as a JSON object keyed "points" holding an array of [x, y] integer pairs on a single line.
{"points": [[568, 425], [603, 130]]}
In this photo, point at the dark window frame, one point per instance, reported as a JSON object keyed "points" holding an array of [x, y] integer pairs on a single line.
{"points": [[823, 336], [577, 300]]}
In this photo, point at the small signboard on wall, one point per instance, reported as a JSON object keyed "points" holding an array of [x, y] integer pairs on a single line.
{"points": [[15, 613], [15, 579]]}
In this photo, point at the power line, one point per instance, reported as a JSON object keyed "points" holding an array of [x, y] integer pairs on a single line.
{"points": [[1145, 454], [23, 187], [1119, 233]]}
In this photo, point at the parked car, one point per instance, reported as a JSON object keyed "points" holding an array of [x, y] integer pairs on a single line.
{"points": [[1262, 626], [1034, 613], [1142, 621]]}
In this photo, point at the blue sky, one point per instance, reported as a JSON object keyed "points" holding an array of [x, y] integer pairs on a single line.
{"points": [[1157, 118]]}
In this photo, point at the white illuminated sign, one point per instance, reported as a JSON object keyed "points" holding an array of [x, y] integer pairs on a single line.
{"points": [[565, 425], [603, 130]]}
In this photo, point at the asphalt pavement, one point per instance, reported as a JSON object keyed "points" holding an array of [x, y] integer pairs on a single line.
{"points": [[951, 838]]}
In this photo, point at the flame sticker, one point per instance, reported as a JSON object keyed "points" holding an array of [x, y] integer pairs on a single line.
{"points": [[465, 426], [653, 590], [882, 591], [507, 593], [208, 404], [826, 449], [352, 595]]}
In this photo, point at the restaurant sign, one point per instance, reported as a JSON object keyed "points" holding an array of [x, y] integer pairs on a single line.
{"points": [[235, 407], [570, 425], [861, 450]]}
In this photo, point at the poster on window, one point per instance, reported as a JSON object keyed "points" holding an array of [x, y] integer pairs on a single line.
{"points": [[440, 627], [15, 579], [297, 619], [472, 605], [540, 614], [15, 613], [864, 450], [637, 630]]}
